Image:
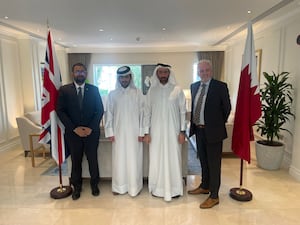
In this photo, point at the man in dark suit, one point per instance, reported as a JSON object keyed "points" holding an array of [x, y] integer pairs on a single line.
{"points": [[210, 110], [80, 108]]}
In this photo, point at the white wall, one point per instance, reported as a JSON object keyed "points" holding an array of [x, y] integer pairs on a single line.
{"points": [[291, 63], [26, 77], [10, 89]]}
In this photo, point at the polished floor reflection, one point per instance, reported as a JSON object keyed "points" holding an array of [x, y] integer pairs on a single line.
{"points": [[24, 199]]}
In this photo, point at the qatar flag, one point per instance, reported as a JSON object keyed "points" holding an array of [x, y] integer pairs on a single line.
{"points": [[248, 106]]}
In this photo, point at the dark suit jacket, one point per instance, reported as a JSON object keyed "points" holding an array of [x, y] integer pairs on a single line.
{"points": [[69, 112], [216, 110]]}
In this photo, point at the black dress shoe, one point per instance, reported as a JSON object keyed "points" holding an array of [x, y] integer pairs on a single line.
{"points": [[95, 190], [76, 194], [176, 196]]}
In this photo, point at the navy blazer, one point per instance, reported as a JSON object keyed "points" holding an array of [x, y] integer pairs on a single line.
{"points": [[69, 112], [217, 108]]}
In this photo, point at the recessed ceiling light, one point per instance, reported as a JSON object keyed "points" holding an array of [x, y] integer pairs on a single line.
{"points": [[101, 30], [6, 17], [164, 28], [249, 12]]}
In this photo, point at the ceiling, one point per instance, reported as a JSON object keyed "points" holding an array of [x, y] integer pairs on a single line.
{"points": [[141, 25]]}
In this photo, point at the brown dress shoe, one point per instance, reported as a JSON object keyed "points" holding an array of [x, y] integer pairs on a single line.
{"points": [[198, 191], [209, 203]]}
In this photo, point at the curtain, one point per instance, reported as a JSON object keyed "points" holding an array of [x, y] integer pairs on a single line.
{"points": [[147, 72], [84, 58], [217, 60]]}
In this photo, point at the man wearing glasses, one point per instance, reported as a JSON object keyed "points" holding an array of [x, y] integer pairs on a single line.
{"points": [[79, 107]]}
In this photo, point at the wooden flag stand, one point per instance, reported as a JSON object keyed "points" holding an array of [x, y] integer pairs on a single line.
{"points": [[240, 194], [61, 191]]}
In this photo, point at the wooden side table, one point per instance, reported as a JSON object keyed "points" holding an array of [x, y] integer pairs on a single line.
{"points": [[40, 149]]}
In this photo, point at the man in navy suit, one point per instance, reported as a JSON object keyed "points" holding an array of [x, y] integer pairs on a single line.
{"points": [[80, 108], [210, 110]]}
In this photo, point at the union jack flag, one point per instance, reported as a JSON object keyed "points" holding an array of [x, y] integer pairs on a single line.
{"points": [[53, 129]]}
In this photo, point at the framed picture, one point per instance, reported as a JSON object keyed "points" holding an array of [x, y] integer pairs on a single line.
{"points": [[258, 54]]}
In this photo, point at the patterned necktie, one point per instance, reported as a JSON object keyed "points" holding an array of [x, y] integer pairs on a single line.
{"points": [[79, 95], [196, 117]]}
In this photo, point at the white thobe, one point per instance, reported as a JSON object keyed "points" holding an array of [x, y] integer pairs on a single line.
{"points": [[124, 121], [164, 119]]}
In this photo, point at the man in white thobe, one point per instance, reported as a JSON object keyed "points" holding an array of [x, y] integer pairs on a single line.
{"points": [[165, 132], [124, 127]]}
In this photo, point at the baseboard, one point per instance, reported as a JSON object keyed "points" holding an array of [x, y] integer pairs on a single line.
{"points": [[294, 172], [10, 144]]}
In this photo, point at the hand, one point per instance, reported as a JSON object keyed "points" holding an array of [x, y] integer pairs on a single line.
{"points": [[147, 138], [181, 138], [83, 131], [80, 131], [87, 130], [112, 138], [140, 139]]}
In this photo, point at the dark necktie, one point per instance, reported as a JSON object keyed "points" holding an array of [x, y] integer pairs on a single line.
{"points": [[79, 95], [196, 117]]}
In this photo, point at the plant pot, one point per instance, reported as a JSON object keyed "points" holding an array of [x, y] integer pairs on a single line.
{"points": [[269, 157]]}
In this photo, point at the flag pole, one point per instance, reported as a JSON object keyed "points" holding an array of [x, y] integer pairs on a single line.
{"points": [[247, 112], [53, 129], [241, 194], [61, 191]]}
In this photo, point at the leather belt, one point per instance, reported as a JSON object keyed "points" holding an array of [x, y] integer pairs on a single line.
{"points": [[200, 126]]}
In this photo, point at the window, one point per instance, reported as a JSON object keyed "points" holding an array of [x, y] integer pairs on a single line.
{"points": [[195, 74], [105, 76]]}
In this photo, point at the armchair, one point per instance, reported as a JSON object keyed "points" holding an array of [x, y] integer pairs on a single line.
{"points": [[29, 130]]}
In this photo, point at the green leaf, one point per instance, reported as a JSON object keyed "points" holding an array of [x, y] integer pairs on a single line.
{"points": [[277, 99]]}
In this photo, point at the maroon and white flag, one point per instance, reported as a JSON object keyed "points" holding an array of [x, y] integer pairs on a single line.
{"points": [[248, 106], [53, 129]]}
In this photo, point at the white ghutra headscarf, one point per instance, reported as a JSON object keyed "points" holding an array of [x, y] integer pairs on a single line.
{"points": [[124, 71], [154, 81]]}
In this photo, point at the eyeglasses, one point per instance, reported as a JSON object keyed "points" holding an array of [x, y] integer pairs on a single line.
{"points": [[78, 72]]}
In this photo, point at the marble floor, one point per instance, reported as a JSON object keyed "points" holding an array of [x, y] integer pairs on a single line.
{"points": [[24, 199]]}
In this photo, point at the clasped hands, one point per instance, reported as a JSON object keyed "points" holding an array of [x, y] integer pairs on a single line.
{"points": [[83, 131]]}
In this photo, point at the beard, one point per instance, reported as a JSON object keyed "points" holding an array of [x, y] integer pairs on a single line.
{"points": [[163, 80], [125, 84], [79, 79]]}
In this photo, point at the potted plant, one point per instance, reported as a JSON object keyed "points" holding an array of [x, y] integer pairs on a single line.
{"points": [[277, 99]]}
